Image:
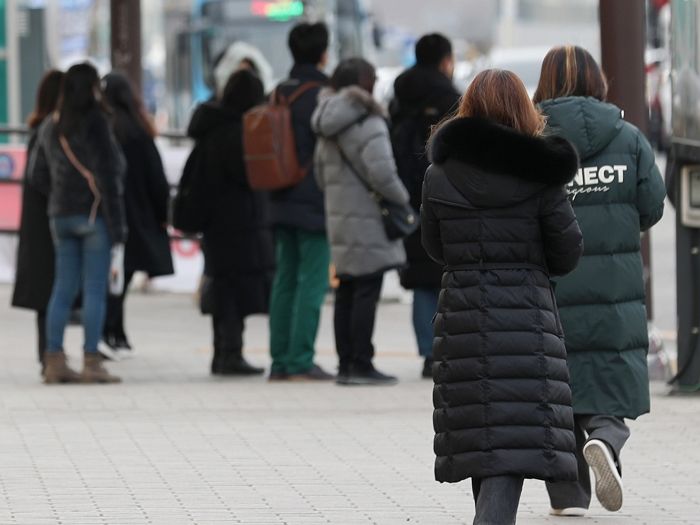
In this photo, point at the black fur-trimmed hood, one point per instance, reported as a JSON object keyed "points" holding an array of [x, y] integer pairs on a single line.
{"points": [[492, 148]]}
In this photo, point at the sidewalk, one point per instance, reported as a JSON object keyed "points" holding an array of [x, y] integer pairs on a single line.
{"points": [[173, 446]]}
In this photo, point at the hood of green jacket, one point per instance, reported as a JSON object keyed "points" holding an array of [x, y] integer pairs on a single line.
{"points": [[589, 124]]}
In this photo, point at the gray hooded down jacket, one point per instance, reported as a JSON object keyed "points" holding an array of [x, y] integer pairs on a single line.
{"points": [[352, 120]]}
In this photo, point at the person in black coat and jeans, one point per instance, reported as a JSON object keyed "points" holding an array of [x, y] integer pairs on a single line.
{"points": [[146, 196], [35, 254], [423, 96], [237, 240], [496, 214]]}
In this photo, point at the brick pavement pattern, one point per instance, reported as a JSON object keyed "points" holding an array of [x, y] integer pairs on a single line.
{"points": [[172, 445]]}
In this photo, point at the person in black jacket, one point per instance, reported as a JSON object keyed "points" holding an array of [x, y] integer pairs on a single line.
{"points": [[303, 254], [423, 96], [146, 195], [237, 240], [496, 214], [35, 254], [78, 164]]}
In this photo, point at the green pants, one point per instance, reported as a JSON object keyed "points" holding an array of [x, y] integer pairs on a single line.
{"points": [[300, 286]]}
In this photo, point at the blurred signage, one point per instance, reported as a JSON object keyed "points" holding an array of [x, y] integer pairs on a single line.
{"points": [[12, 162], [280, 10]]}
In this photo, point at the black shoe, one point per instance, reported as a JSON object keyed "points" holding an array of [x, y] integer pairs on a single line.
{"points": [[427, 368], [316, 373], [236, 367], [276, 375], [343, 376], [370, 376]]}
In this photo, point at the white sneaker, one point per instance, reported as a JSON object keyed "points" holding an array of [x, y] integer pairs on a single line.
{"points": [[571, 512], [608, 483], [106, 352], [125, 353]]}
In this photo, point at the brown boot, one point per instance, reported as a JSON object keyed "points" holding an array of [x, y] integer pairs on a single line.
{"points": [[95, 372], [56, 369]]}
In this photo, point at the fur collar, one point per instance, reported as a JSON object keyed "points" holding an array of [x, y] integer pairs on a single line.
{"points": [[492, 147]]}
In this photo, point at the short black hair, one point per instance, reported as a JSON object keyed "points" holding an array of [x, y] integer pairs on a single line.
{"points": [[432, 49], [308, 42]]}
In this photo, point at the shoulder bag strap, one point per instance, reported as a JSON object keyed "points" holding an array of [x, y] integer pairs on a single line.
{"points": [[86, 173], [346, 160]]}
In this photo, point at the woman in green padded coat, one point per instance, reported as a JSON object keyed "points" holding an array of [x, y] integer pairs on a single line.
{"points": [[617, 193]]}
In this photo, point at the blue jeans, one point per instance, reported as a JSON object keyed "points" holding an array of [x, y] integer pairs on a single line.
{"points": [[82, 254], [425, 303]]}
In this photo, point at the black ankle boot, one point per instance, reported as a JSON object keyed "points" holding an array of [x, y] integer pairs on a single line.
{"points": [[235, 366]]}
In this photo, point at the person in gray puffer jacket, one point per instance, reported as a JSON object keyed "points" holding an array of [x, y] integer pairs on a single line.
{"points": [[353, 152]]}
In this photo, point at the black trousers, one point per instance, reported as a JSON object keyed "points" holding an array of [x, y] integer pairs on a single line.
{"points": [[355, 310], [114, 321], [497, 499], [41, 334], [228, 325]]}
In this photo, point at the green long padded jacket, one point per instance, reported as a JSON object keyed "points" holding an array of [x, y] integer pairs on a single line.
{"points": [[617, 194]]}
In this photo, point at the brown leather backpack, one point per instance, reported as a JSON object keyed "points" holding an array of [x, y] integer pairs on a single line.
{"points": [[269, 148]]}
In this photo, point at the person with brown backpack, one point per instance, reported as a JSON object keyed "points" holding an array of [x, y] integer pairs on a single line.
{"points": [[297, 209]]}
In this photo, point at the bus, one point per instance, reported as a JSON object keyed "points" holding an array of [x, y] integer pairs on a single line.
{"points": [[213, 25]]}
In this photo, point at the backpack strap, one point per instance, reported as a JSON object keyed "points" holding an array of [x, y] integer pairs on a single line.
{"points": [[278, 98]]}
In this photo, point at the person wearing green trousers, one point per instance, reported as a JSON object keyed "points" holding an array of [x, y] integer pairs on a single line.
{"points": [[300, 286], [299, 219]]}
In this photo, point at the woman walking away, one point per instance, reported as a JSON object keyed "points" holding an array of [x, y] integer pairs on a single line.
{"points": [[237, 244], [35, 255], [495, 213], [77, 163], [354, 153], [146, 195], [617, 193]]}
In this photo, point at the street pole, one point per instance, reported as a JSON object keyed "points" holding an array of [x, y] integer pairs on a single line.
{"points": [[125, 21], [622, 40]]}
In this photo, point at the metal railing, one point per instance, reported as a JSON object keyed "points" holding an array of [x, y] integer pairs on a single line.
{"points": [[176, 136]]}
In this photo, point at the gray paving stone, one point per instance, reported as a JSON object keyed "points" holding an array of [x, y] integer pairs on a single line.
{"points": [[173, 446]]}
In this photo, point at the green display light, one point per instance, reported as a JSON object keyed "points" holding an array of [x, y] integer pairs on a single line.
{"points": [[279, 11]]}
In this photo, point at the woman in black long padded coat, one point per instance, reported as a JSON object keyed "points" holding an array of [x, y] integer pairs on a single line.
{"points": [[237, 240], [496, 214], [146, 195], [35, 255]]}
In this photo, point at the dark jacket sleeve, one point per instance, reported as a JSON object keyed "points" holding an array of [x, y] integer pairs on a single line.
{"points": [[651, 191], [563, 242], [430, 226], [110, 172]]}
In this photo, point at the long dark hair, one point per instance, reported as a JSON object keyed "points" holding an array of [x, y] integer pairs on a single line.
{"points": [[46, 97], [570, 71], [127, 107], [80, 96], [243, 91]]}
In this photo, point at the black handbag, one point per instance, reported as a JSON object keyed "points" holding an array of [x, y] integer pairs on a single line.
{"points": [[400, 220]]}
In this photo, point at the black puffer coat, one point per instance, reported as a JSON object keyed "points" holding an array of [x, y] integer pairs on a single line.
{"points": [[495, 212], [237, 244]]}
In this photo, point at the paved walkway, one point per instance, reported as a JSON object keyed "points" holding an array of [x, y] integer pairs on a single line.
{"points": [[173, 446]]}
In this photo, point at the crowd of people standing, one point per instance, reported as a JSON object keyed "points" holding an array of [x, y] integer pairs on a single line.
{"points": [[528, 304]]}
